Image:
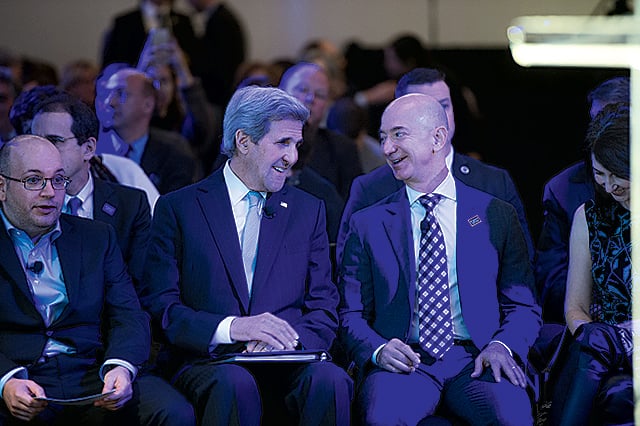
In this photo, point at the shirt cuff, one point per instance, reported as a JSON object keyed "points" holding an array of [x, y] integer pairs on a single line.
{"points": [[18, 372], [505, 346], [113, 362], [374, 357], [222, 334]]}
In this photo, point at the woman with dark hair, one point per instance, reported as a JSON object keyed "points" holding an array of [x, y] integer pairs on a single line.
{"points": [[598, 299]]}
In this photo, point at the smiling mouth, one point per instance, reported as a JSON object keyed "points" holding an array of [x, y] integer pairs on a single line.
{"points": [[280, 169]]}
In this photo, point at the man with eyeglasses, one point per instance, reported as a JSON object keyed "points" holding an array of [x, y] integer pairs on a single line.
{"points": [[72, 127], [71, 322], [332, 155]]}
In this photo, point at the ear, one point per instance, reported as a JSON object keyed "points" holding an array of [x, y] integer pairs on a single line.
{"points": [[3, 189], [242, 141], [440, 135], [89, 148]]}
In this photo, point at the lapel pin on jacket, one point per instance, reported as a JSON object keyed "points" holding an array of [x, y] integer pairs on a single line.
{"points": [[474, 220], [109, 209]]}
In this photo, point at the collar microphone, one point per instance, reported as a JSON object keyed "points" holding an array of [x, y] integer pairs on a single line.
{"points": [[268, 212], [37, 267]]}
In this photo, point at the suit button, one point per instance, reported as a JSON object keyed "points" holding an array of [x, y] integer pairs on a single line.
{"points": [[49, 333]]}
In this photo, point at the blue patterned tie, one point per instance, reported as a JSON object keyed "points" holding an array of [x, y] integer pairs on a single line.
{"points": [[435, 325], [74, 205], [250, 235]]}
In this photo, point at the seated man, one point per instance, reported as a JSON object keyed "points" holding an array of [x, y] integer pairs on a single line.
{"points": [[427, 320], [71, 321], [240, 262]]}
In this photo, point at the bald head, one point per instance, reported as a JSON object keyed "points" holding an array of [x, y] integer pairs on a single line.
{"points": [[24, 162], [414, 134]]}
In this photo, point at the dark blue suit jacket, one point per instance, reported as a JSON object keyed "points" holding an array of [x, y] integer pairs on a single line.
{"points": [[127, 210], [194, 275], [378, 275], [103, 318], [377, 184], [563, 194]]}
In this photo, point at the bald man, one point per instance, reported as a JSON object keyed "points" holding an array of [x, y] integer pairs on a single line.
{"points": [[437, 292]]}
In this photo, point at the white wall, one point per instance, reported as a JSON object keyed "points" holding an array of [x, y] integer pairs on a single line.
{"points": [[63, 30]]}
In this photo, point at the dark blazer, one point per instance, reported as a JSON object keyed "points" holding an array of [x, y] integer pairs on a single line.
{"points": [[221, 50], [168, 160], [377, 184], [125, 39], [194, 275], [103, 318], [378, 275], [563, 194], [127, 210]]}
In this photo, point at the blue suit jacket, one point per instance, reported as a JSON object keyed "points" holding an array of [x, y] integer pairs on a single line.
{"points": [[563, 194], [379, 183], [378, 275], [103, 318], [194, 275], [127, 210]]}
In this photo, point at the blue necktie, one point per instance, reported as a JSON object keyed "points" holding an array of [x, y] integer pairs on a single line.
{"points": [[435, 324], [250, 235], [74, 205]]}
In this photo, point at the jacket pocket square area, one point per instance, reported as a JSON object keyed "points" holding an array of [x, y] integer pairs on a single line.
{"points": [[474, 220]]}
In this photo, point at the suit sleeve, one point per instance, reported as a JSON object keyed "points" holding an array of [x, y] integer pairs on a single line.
{"points": [[520, 316], [513, 198], [318, 324], [139, 238], [128, 335], [354, 203], [552, 257]]}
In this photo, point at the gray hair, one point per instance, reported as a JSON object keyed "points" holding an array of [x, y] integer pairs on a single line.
{"points": [[252, 109]]}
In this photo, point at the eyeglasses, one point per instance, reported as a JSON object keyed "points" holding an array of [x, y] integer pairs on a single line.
{"points": [[37, 183], [55, 139]]}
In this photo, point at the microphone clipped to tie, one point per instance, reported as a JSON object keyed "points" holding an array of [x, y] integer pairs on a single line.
{"points": [[37, 267]]}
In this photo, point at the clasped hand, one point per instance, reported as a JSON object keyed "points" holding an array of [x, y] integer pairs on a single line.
{"points": [[264, 332]]}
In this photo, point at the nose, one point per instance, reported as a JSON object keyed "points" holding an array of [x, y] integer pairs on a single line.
{"points": [[48, 190], [388, 147], [291, 156], [610, 185]]}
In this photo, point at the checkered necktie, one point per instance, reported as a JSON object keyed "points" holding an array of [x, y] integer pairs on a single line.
{"points": [[435, 326], [250, 235]]}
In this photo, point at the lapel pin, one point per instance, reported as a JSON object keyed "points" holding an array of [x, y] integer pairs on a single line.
{"points": [[109, 209], [474, 220], [283, 204]]}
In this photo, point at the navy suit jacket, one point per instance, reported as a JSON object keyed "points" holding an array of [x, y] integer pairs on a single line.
{"points": [[194, 275], [379, 183], [378, 275], [103, 318], [563, 194], [127, 210], [169, 161]]}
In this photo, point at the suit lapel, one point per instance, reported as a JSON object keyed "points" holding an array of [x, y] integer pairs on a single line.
{"points": [[397, 225], [272, 231], [69, 246], [12, 268], [214, 202], [103, 209]]}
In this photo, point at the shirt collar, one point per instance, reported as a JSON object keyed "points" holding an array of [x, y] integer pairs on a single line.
{"points": [[447, 189]]}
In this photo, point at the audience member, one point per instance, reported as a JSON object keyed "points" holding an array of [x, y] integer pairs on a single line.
{"points": [[346, 117], [165, 156], [562, 195], [218, 284], [379, 183], [221, 49], [181, 104], [8, 92], [327, 55], [124, 40], [426, 320], [331, 154], [72, 127], [105, 166], [36, 72], [71, 320], [596, 385], [79, 79]]}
